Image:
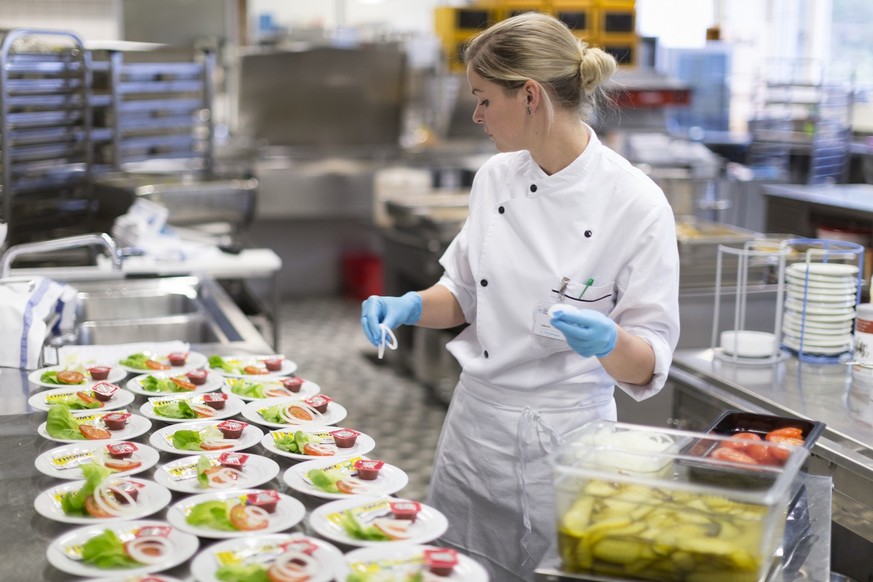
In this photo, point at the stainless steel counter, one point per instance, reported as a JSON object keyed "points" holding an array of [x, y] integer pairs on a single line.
{"points": [[836, 394]]}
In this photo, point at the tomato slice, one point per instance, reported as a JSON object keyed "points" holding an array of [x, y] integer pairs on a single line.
{"points": [[94, 433], [94, 510], [788, 431], [231, 476], [71, 377], [240, 519], [344, 486], [317, 450], [277, 392], [121, 464], [87, 398], [762, 453], [213, 446], [740, 440], [254, 370], [732, 455], [783, 452], [154, 365], [184, 384]]}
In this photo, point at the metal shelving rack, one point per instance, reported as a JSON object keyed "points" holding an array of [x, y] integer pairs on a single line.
{"points": [[45, 130], [153, 105]]}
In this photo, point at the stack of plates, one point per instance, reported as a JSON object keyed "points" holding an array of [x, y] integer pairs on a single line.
{"points": [[821, 302]]}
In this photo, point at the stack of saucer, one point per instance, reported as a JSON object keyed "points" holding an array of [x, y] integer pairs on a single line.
{"points": [[820, 308]]}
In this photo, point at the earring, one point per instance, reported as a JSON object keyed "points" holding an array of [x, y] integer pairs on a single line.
{"points": [[529, 112]]}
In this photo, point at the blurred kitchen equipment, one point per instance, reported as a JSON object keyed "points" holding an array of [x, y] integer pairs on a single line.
{"points": [[85, 240]]}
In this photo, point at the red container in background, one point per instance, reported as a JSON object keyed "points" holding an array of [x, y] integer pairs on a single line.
{"points": [[362, 275]]}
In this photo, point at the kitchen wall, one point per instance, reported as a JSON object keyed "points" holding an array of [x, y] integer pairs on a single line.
{"points": [[90, 19]]}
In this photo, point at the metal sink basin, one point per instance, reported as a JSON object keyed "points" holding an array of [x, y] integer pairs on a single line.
{"points": [[196, 310]]}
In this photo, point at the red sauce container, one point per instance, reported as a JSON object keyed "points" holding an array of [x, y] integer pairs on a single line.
{"points": [[274, 364], [292, 383], [103, 391], [197, 377], [344, 438], [232, 429], [266, 500], [177, 358], [441, 561], [405, 509], [319, 402], [99, 372], [216, 401], [121, 450], [116, 420], [233, 460], [301, 545], [368, 469]]}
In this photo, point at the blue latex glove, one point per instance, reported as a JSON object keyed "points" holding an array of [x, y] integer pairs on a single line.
{"points": [[588, 332], [392, 311]]}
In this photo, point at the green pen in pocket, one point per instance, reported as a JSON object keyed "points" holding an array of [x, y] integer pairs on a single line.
{"points": [[588, 284]]}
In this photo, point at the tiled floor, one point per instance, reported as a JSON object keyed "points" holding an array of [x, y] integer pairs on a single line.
{"points": [[324, 337]]}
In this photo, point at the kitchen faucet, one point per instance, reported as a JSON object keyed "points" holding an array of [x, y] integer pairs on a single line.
{"points": [[58, 244]]}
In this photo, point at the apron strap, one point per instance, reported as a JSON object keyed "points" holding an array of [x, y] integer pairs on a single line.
{"points": [[528, 423]]}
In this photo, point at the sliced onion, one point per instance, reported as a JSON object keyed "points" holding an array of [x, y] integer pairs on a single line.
{"points": [[255, 516], [142, 549], [105, 497], [203, 411], [294, 566], [224, 478], [286, 414]]}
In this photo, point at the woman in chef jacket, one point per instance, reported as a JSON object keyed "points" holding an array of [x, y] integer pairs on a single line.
{"points": [[555, 219]]}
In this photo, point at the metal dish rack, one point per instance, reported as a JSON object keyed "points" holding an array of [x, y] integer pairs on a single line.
{"points": [[153, 105], [45, 131]]}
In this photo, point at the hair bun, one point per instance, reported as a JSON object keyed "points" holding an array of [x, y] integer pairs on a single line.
{"points": [[596, 66]]}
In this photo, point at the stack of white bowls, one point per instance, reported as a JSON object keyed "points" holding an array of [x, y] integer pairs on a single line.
{"points": [[820, 308]]}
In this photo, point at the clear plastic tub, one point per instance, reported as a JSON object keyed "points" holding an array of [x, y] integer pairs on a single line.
{"points": [[645, 503]]}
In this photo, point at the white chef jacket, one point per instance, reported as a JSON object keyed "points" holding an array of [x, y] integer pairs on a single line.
{"points": [[520, 392], [598, 218]]}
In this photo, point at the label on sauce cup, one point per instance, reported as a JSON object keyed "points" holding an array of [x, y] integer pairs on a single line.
{"points": [[864, 334]]}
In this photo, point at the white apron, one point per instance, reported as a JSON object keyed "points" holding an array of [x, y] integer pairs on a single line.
{"points": [[491, 476]]}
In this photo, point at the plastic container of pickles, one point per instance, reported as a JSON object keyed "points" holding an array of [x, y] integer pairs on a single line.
{"points": [[628, 507]]}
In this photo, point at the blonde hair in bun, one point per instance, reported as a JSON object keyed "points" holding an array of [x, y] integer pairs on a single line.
{"points": [[538, 47]]}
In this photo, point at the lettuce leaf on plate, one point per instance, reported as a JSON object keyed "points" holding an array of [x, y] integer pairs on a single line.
{"points": [[242, 573], [247, 388], [176, 409], [73, 502], [218, 362], [203, 463], [137, 361], [293, 444], [187, 440], [211, 514], [61, 424], [355, 529], [106, 550]]}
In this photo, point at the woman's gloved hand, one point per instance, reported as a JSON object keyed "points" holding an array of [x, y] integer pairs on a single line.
{"points": [[392, 311], [588, 332]]}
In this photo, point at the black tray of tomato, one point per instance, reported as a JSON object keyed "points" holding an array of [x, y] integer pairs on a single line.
{"points": [[754, 465]]}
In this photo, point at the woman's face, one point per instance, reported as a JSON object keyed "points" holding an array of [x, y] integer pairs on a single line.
{"points": [[501, 113]]}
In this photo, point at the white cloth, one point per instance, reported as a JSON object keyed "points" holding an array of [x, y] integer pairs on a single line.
{"points": [[598, 218], [26, 308]]}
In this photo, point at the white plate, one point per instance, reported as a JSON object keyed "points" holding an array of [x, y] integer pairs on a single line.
{"points": [[240, 361], [363, 445], [307, 389], [390, 480], [795, 329], [429, 524], [332, 415], [251, 436], [120, 398], [156, 578], [819, 309], [289, 512], [839, 321], [819, 341], [262, 548], [116, 374], [181, 475], [136, 425], [232, 407], [847, 285], [406, 559], [195, 360], [213, 382], [808, 349], [824, 269], [63, 462], [151, 499], [827, 301], [747, 343], [183, 546]]}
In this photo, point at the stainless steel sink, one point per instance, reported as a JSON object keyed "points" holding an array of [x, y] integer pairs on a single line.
{"points": [[196, 310]]}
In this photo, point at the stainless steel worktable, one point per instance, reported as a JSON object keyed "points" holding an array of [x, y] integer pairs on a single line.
{"points": [[837, 394]]}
